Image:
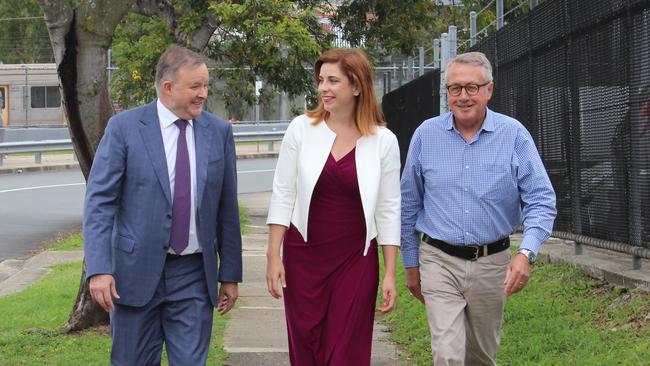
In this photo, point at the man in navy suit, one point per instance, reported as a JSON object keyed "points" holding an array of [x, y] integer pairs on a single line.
{"points": [[161, 222]]}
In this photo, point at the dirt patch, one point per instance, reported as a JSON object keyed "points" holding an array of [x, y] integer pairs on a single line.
{"points": [[101, 330], [48, 243], [627, 310], [600, 288]]}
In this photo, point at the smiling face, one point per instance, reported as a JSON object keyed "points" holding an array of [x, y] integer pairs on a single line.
{"points": [[335, 89], [468, 110], [185, 93]]}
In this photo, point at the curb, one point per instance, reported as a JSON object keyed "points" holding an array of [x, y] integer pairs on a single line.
{"points": [[67, 166], [258, 156], [36, 168]]}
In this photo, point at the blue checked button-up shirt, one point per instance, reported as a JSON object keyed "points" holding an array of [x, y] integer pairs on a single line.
{"points": [[476, 192]]}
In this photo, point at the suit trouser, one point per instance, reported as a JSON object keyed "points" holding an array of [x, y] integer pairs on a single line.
{"points": [[464, 301], [179, 314]]}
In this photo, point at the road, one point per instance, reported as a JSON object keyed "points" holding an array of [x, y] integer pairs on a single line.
{"points": [[35, 207]]}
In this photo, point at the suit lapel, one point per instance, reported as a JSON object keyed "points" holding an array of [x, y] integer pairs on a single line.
{"points": [[202, 143], [152, 140]]}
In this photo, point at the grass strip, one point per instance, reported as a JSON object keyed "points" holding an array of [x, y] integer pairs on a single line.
{"points": [[562, 317]]}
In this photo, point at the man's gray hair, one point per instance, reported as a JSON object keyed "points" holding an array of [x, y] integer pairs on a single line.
{"points": [[172, 60], [475, 59]]}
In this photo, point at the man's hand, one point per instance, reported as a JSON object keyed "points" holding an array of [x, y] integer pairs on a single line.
{"points": [[228, 293], [413, 282], [102, 290], [517, 274]]}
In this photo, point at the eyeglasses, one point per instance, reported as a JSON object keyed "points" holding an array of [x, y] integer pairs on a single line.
{"points": [[472, 89]]}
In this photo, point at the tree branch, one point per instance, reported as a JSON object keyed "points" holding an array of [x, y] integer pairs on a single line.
{"points": [[200, 37], [58, 17], [162, 9]]}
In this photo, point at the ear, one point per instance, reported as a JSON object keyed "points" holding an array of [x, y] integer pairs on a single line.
{"points": [[490, 90], [356, 86], [167, 87]]}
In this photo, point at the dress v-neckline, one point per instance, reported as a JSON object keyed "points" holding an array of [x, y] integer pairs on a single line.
{"points": [[342, 157]]}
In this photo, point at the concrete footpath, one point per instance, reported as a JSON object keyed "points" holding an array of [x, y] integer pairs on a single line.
{"points": [[256, 333]]}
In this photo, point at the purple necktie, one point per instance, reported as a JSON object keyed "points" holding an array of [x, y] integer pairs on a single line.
{"points": [[182, 193]]}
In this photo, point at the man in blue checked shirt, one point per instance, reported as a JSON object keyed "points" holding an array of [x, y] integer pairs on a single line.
{"points": [[472, 176]]}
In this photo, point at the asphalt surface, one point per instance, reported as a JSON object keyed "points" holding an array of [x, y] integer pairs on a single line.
{"points": [[37, 206]]}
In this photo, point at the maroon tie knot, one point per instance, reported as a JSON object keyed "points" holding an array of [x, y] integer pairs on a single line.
{"points": [[181, 124]]}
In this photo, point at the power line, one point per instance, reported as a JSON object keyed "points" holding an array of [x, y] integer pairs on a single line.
{"points": [[24, 18]]}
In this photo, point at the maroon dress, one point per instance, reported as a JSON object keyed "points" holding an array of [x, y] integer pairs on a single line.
{"points": [[331, 286]]}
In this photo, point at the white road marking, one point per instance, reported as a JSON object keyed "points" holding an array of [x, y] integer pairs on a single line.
{"points": [[41, 187], [255, 171], [255, 349], [78, 184]]}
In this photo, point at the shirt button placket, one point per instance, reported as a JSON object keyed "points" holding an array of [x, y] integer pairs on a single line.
{"points": [[465, 184]]}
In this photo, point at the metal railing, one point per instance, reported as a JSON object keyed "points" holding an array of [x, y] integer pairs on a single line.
{"points": [[38, 147]]}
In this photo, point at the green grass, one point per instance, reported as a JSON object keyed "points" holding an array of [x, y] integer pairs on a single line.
{"points": [[30, 328], [562, 317], [44, 153], [243, 219], [32, 320], [72, 241]]}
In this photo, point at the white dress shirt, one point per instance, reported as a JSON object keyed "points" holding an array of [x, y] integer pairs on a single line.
{"points": [[170, 138]]}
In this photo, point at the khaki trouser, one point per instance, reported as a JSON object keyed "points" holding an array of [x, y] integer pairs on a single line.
{"points": [[464, 301]]}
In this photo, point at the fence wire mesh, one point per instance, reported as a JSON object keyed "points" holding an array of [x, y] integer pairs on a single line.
{"points": [[576, 73]]}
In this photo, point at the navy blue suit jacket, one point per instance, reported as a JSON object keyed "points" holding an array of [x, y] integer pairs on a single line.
{"points": [[128, 206]]}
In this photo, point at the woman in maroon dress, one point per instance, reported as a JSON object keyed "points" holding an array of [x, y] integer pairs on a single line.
{"points": [[335, 197]]}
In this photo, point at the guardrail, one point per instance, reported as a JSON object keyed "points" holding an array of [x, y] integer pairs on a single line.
{"points": [[38, 147]]}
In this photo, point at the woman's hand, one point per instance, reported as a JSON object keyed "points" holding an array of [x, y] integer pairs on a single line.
{"points": [[388, 294], [275, 274]]}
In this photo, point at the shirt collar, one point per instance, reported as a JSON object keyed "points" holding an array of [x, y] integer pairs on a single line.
{"points": [[167, 117], [488, 122]]}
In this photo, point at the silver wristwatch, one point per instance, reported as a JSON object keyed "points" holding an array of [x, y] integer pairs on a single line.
{"points": [[532, 257]]}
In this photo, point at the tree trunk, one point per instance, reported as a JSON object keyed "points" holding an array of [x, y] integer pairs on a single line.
{"points": [[85, 312], [80, 39]]}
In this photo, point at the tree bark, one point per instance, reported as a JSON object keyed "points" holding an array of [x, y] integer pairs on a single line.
{"points": [[197, 39], [80, 39], [86, 313]]}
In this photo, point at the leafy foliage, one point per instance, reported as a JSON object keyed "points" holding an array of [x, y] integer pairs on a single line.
{"points": [[138, 43], [276, 40], [268, 39], [390, 26], [487, 11], [23, 40], [271, 40]]}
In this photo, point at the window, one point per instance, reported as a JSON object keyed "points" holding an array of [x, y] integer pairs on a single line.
{"points": [[45, 97]]}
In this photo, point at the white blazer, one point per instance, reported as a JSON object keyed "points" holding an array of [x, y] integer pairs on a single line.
{"points": [[304, 152]]}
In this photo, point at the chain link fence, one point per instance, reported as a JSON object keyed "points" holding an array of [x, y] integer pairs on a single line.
{"points": [[576, 73]]}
